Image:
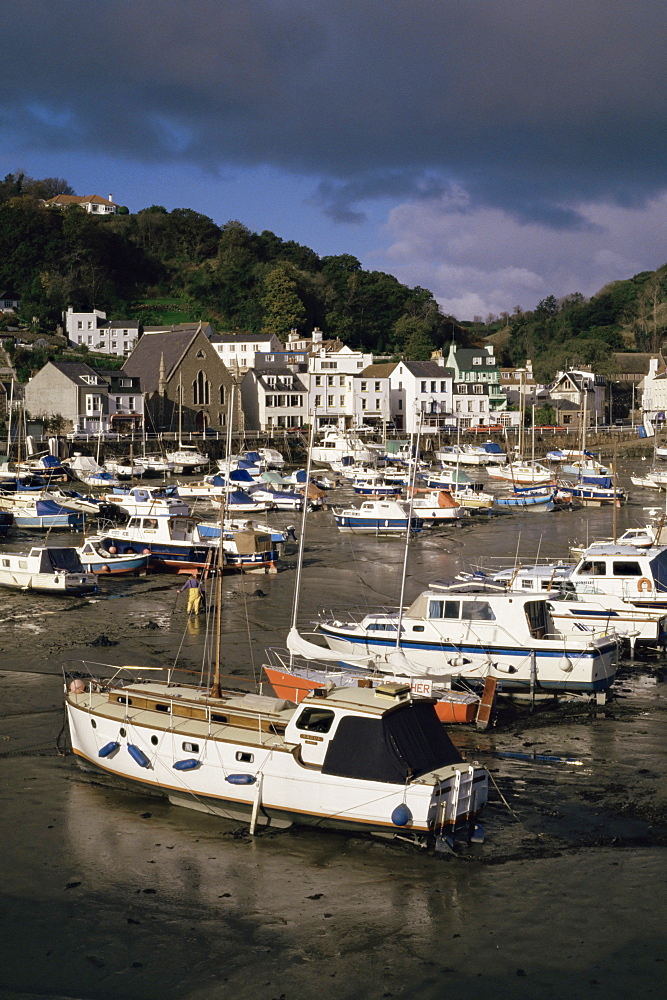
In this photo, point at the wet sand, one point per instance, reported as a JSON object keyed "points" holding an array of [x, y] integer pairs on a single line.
{"points": [[110, 894]]}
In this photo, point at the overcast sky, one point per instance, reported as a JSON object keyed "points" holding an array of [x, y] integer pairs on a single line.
{"points": [[494, 151]]}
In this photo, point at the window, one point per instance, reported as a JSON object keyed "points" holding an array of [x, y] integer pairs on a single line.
{"points": [[79, 325], [443, 609], [463, 389], [593, 568], [81, 340], [477, 361], [191, 747], [268, 357], [443, 387], [342, 400], [363, 404], [93, 403], [315, 720], [318, 380], [119, 402], [130, 402], [490, 361], [479, 611], [201, 390], [423, 386], [318, 401], [244, 757], [90, 324], [400, 404], [378, 387], [341, 380], [626, 569], [433, 386], [222, 395], [479, 389], [330, 400], [331, 380], [364, 386], [378, 403]]}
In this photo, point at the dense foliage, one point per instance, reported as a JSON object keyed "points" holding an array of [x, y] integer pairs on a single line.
{"points": [[158, 266]]}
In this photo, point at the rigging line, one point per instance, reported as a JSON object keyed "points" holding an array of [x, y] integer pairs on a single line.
{"points": [[503, 799]]}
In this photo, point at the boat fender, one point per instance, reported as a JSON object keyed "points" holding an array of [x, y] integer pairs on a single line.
{"points": [[240, 779], [138, 755], [186, 765], [565, 664], [644, 585], [401, 815], [77, 686], [108, 749]]}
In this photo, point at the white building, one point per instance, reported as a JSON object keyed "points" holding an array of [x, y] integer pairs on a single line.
{"points": [[420, 394], [94, 204], [92, 330], [654, 391], [238, 350], [334, 394]]}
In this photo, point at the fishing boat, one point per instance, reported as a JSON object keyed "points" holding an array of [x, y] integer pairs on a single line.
{"points": [[374, 484], [353, 759], [47, 515], [175, 544], [473, 632], [96, 558], [53, 570], [377, 517], [279, 536]]}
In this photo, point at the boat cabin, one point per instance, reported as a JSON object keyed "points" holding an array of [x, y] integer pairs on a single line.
{"points": [[622, 569]]}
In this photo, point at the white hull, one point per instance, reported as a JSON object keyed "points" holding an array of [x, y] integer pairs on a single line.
{"points": [[259, 762]]}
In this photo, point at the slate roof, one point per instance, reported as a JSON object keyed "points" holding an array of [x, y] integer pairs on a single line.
{"points": [[465, 355], [75, 370], [146, 357], [427, 369], [379, 370]]}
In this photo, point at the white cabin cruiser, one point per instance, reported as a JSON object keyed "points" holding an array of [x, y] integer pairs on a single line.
{"points": [[603, 614], [187, 459], [336, 446], [488, 453], [354, 759], [477, 632], [150, 500], [47, 569], [638, 576]]}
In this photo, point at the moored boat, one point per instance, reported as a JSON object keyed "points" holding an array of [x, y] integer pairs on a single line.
{"points": [[377, 517], [48, 569], [360, 760]]}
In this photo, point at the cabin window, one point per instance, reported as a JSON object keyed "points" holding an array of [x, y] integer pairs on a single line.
{"points": [[479, 611], [5, 562], [244, 758], [593, 567], [23, 564], [123, 700], [315, 720], [191, 747], [154, 740], [150, 524], [93, 724], [161, 708], [528, 584], [122, 733], [218, 718], [626, 569], [382, 627], [417, 628], [443, 609]]}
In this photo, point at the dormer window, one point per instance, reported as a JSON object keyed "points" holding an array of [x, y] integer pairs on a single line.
{"points": [[477, 361]]}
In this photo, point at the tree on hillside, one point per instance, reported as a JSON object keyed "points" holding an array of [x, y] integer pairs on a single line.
{"points": [[283, 308]]}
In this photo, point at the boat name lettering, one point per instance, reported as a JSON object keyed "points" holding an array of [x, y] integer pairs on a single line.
{"points": [[422, 687]]}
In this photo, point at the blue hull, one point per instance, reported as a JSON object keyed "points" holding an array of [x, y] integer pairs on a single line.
{"points": [[176, 558], [50, 522], [376, 526]]}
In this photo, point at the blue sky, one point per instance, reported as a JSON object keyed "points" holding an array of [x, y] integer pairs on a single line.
{"points": [[494, 152]]}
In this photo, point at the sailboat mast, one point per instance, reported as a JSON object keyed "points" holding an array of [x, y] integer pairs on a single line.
{"points": [[215, 686], [304, 511], [413, 478], [180, 410]]}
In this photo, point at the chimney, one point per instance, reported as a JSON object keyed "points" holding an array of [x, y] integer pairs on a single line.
{"points": [[318, 336], [110, 197]]}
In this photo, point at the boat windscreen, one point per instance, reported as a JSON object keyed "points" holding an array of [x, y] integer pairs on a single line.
{"points": [[659, 568], [401, 745], [66, 559]]}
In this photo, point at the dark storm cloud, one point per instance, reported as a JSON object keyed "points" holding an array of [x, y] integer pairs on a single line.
{"points": [[530, 105]]}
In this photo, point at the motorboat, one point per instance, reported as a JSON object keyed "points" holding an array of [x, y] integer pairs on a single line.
{"points": [[488, 453], [354, 759], [47, 515], [175, 544], [271, 458], [156, 465], [594, 491], [48, 569], [601, 614], [187, 459], [335, 445], [638, 576], [538, 501], [437, 506], [96, 558], [149, 500], [294, 680], [122, 470], [377, 517], [471, 631], [279, 536], [375, 484], [530, 473]]}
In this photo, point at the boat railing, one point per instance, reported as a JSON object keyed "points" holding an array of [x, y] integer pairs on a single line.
{"points": [[355, 613]]}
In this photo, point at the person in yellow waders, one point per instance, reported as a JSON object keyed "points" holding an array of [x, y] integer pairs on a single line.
{"points": [[193, 587]]}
